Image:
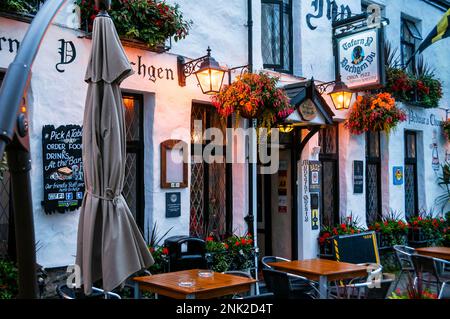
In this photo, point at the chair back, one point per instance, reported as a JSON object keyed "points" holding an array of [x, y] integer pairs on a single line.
{"points": [[277, 282], [425, 265], [403, 254], [271, 259], [186, 253]]}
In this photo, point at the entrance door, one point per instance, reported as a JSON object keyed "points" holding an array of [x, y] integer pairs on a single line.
{"points": [[133, 189], [275, 206], [209, 199]]}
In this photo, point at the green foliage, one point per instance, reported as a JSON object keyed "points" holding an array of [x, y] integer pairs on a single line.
{"points": [[392, 229], [8, 280], [16, 6], [160, 256], [150, 21], [234, 253]]}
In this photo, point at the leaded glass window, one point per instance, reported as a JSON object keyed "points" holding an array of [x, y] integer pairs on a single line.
{"points": [[410, 38], [411, 197], [276, 35], [373, 177]]}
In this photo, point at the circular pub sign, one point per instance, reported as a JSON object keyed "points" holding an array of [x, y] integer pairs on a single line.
{"points": [[308, 110]]}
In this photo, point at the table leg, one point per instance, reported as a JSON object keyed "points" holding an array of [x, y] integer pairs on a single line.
{"points": [[137, 291], [323, 287]]}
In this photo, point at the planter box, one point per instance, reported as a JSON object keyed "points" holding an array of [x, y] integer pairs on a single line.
{"points": [[416, 235], [326, 249], [385, 241]]}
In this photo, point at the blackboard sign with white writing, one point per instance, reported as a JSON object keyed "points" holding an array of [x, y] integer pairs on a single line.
{"points": [[357, 249], [62, 167]]}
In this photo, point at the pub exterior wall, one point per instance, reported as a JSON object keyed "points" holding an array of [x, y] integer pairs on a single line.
{"points": [[58, 98]]}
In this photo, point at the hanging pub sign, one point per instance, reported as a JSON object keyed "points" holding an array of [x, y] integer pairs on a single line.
{"points": [[62, 168], [359, 59]]}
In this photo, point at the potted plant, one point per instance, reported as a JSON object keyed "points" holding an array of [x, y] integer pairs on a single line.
{"points": [[254, 96], [374, 112], [148, 21], [446, 128], [425, 228], [390, 231], [217, 255]]}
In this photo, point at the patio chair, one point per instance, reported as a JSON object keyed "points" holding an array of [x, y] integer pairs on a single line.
{"points": [[377, 289], [273, 259], [403, 254], [279, 283], [429, 270], [245, 275], [64, 292], [357, 287]]}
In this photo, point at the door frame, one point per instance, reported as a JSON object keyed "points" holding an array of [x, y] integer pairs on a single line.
{"points": [[138, 148]]}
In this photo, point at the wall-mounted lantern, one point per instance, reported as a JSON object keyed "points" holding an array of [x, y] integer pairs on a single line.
{"points": [[341, 95], [207, 70], [285, 128]]}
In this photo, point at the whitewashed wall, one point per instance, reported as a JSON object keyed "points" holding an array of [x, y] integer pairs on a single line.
{"points": [[58, 98]]}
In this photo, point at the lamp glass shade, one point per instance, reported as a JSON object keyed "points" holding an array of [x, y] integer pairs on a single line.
{"points": [[210, 80], [341, 96]]}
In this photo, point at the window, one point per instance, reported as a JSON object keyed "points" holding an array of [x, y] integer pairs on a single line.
{"points": [[208, 187], [276, 25], [411, 197], [373, 177], [328, 142], [410, 37]]}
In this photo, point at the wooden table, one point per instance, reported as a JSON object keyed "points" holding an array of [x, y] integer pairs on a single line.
{"points": [[322, 270], [205, 288], [436, 252]]}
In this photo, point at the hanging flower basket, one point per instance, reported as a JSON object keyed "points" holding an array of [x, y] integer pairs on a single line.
{"points": [[376, 112], [254, 96]]}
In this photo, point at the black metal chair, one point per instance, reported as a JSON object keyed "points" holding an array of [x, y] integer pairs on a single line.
{"points": [[271, 259], [403, 254], [186, 253], [279, 283]]}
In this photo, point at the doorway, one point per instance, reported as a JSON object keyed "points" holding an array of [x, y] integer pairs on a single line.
{"points": [[276, 205], [133, 189]]}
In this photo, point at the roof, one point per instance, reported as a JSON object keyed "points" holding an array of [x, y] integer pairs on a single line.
{"points": [[301, 91]]}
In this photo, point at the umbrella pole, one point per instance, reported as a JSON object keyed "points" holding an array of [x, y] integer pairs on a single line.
{"points": [[14, 131]]}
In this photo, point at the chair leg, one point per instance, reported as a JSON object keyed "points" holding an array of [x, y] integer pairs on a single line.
{"points": [[441, 291]]}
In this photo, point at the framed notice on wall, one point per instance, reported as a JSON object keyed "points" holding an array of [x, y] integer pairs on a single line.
{"points": [[62, 168], [359, 59], [174, 164], [358, 177]]}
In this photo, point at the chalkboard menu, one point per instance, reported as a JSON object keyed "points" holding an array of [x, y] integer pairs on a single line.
{"points": [[357, 249], [62, 167]]}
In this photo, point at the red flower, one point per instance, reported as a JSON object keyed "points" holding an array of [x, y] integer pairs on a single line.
{"points": [[236, 243], [226, 246], [152, 250], [210, 238], [165, 251]]}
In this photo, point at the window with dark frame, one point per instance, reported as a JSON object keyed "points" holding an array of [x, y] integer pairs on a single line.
{"points": [[410, 38], [276, 35], [373, 177], [410, 175], [329, 158]]}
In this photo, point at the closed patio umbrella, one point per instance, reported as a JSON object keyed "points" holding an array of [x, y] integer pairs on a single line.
{"points": [[109, 245]]}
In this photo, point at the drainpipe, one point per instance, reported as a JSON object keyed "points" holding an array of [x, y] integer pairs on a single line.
{"points": [[14, 135]]}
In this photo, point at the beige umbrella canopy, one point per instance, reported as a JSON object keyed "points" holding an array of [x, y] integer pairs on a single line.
{"points": [[110, 246]]}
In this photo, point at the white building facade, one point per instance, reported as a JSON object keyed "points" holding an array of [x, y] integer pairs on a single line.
{"points": [[160, 110]]}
